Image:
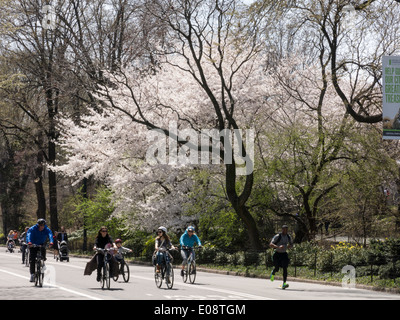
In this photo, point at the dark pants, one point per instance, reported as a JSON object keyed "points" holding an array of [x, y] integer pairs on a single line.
{"points": [[113, 264], [32, 257], [23, 250], [100, 263], [281, 260]]}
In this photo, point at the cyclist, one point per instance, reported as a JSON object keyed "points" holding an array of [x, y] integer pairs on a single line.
{"points": [[188, 239], [22, 241], [37, 235], [161, 245], [102, 241], [120, 250]]}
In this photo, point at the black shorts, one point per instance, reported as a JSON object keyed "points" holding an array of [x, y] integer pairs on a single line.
{"points": [[281, 259]]}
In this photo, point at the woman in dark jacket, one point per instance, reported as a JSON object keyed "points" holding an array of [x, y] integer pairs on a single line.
{"points": [[102, 241]]}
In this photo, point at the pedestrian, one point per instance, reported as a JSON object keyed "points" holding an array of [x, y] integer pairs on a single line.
{"points": [[280, 243], [22, 240]]}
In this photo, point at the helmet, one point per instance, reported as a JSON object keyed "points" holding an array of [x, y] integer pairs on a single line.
{"points": [[190, 228], [163, 229], [118, 240], [41, 221]]}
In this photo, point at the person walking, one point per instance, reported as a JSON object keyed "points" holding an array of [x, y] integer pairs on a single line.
{"points": [[280, 243]]}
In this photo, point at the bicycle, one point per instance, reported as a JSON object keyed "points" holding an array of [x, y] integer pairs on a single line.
{"points": [[124, 270], [27, 256], [166, 271], [105, 276], [40, 266], [190, 270]]}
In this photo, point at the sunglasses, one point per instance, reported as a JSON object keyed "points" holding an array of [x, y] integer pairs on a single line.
{"points": [[103, 230]]}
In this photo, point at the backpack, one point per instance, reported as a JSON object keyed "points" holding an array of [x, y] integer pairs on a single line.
{"points": [[280, 236]]}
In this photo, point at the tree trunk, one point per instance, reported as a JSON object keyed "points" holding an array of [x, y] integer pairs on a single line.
{"points": [[52, 109], [252, 230], [85, 195], [41, 199], [239, 204]]}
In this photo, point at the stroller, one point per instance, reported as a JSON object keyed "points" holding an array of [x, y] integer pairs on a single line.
{"points": [[10, 246], [63, 251]]}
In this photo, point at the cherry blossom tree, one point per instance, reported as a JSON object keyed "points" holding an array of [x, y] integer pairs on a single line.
{"points": [[210, 74]]}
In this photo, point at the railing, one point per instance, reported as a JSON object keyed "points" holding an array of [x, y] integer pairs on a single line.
{"points": [[307, 261]]}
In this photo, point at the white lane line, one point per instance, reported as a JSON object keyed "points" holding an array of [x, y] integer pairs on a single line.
{"points": [[230, 292], [53, 285]]}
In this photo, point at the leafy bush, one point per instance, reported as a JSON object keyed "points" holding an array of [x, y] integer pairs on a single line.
{"points": [[250, 258], [207, 255], [221, 258]]}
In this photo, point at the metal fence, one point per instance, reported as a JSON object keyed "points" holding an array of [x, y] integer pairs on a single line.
{"points": [[311, 260], [321, 263]]}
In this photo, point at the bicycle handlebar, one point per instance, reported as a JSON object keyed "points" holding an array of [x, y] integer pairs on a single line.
{"points": [[188, 248], [36, 245], [103, 250]]}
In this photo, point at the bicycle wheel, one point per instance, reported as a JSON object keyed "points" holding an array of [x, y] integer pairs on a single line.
{"points": [[157, 277], [108, 276], [192, 272], [103, 279], [39, 274], [125, 272], [185, 273], [170, 276], [115, 278]]}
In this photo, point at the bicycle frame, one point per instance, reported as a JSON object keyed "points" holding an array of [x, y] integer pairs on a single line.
{"points": [[190, 269], [165, 266], [123, 269], [105, 277], [40, 265]]}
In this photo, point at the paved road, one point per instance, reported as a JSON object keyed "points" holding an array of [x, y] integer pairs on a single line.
{"points": [[65, 281]]}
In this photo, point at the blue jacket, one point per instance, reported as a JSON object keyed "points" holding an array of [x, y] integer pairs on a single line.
{"points": [[185, 240], [37, 237]]}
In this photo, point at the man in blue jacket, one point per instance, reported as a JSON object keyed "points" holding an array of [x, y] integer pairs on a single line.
{"points": [[37, 235], [188, 240]]}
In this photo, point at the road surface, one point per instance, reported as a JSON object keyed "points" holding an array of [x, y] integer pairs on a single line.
{"points": [[65, 281]]}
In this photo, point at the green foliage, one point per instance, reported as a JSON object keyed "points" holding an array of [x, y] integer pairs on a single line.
{"points": [[97, 211], [223, 229]]}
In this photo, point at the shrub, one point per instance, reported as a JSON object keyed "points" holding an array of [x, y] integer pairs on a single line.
{"points": [[250, 258], [207, 255], [221, 258]]}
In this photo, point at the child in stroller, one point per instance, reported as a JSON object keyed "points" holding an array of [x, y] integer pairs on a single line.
{"points": [[10, 241], [62, 245], [63, 251]]}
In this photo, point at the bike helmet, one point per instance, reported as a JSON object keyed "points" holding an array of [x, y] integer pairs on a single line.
{"points": [[41, 221], [118, 240], [190, 228], [163, 229]]}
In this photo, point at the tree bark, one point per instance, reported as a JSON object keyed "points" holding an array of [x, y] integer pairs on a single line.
{"points": [[41, 199]]}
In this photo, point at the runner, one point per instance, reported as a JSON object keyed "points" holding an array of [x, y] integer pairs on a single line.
{"points": [[281, 242]]}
